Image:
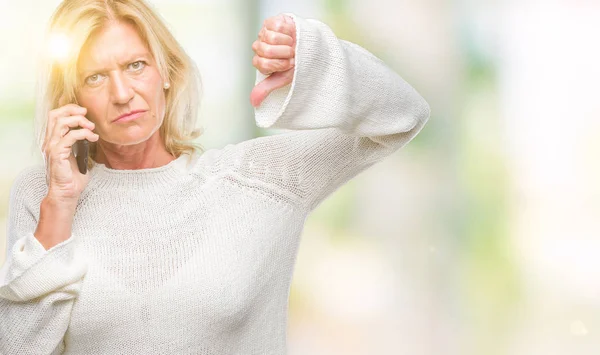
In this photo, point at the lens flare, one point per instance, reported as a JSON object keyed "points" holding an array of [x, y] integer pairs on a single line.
{"points": [[59, 46]]}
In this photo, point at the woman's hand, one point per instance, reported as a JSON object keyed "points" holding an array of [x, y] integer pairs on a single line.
{"points": [[275, 51], [65, 182]]}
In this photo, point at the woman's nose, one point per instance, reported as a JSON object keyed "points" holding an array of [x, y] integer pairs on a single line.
{"points": [[121, 90]]}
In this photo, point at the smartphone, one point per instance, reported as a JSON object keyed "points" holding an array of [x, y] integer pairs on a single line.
{"points": [[81, 155], [80, 148]]}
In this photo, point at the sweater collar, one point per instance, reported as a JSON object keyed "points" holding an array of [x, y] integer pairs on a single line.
{"points": [[157, 177]]}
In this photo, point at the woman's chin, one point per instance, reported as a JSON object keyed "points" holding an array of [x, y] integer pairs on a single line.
{"points": [[126, 140]]}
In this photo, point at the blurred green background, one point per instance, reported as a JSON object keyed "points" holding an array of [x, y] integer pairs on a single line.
{"points": [[480, 237]]}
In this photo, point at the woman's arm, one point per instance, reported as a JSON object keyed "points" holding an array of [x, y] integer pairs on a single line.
{"points": [[347, 110], [37, 286], [341, 85]]}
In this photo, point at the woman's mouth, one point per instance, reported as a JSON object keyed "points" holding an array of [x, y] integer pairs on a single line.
{"points": [[130, 116]]}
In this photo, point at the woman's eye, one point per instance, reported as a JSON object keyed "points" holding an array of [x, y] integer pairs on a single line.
{"points": [[92, 79], [139, 65]]}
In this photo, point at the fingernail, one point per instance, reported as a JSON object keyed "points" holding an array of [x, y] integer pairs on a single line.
{"points": [[293, 61]]}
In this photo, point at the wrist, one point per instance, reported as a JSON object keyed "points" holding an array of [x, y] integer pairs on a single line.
{"points": [[54, 225], [60, 203], [55, 210]]}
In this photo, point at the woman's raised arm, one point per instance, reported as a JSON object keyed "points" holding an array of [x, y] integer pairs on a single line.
{"points": [[347, 109], [339, 84]]}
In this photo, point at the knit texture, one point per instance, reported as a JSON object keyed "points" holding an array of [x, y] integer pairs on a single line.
{"points": [[197, 256]]}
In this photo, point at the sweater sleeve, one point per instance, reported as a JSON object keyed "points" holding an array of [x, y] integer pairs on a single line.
{"points": [[346, 110], [37, 286]]}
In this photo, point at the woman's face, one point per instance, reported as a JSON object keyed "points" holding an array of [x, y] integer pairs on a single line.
{"points": [[118, 76]]}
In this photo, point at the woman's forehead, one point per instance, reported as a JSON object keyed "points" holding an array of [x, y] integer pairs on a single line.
{"points": [[116, 44]]}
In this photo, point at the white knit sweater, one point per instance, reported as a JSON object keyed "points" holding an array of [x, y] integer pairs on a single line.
{"points": [[197, 256]]}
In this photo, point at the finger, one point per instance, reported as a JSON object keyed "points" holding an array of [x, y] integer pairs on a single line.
{"points": [[270, 84], [62, 101], [268, 66], [68, 110], [275, 38], [278, 24], [63, 111], [266, 50], [63, 125], [63, 149], [289, 20]]}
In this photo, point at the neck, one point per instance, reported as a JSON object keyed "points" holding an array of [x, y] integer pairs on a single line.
{"points": [[148, 154]]}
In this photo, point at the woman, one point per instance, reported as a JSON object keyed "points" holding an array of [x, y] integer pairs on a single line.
{"points": [[162, 249]]}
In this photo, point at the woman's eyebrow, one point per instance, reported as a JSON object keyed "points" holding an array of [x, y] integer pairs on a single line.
{"points": [[129, 59], [133, 57]]}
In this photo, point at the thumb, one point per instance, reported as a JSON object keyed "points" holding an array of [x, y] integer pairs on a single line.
{"points": [[271, 83]]}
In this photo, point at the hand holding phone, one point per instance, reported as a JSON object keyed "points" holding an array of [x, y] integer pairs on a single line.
{"points": [[68, 134]]}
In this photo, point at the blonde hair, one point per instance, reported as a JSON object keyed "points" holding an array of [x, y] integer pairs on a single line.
{"points": [[78, 20]]}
